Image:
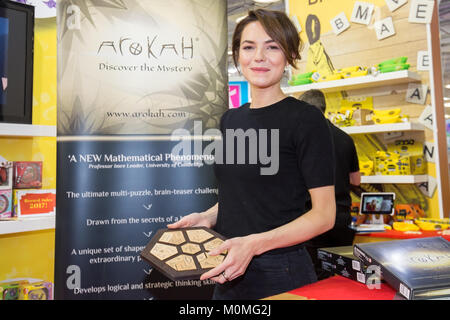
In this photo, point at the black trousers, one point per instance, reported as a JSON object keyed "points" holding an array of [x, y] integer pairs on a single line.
{"points": [[268, 275]]}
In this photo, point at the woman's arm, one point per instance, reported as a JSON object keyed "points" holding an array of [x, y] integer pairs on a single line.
{"points": [[242, 249], [206, 218], [355, 178], [318, 220]]}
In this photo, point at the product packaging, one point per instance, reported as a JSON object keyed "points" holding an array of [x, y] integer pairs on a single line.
{"points": [[27, 174]]}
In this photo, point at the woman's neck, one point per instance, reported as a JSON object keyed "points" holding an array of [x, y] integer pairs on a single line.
{"points": [[265, 97]]}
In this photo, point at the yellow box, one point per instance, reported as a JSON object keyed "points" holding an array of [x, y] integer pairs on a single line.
{"points": [[357, 103], [330, 77], [366, 167], [387, 116], [354, 74], [349, 69], [406, 147], [394, 164], [42, 290]]}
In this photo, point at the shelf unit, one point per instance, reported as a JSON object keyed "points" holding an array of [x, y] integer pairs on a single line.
{"points": [[364, 82], [395, 179], [380, 128], [26, 225], [30, 224], [26, 130]]}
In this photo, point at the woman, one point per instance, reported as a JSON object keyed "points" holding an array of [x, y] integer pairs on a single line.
{"points": [[263, 216]]}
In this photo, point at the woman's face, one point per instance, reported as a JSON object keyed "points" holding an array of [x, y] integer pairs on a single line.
{"points": [[261, 59]]}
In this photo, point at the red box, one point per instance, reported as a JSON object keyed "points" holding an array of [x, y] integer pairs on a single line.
{"points": [[6, 174], [34, 203], [27, 174]]}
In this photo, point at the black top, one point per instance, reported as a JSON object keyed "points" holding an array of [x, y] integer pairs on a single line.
{"points": [[346, 162], [250, 202]]}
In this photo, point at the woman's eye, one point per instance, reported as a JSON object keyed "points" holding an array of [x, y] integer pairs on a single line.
{"points": [[247, 47], [273, 47]]}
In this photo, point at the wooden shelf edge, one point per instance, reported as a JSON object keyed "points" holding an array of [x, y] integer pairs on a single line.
{"points": [[380, 128], [369, 81], [394, 179], [26, 130], [27, 225]]}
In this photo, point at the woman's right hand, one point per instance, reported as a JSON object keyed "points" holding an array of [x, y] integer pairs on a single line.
{"points": [[191, 220]]}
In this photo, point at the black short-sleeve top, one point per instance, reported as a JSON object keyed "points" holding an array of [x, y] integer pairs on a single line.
{"points": [[293, 147]]}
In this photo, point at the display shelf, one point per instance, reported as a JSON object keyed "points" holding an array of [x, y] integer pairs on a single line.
{"points": [[25, 225], [369, 81], [26, 130], [380, 128], [395, 179]]}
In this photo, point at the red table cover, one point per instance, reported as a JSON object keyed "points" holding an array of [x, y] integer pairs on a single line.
{"points": [[394, 234], [341, 288]]}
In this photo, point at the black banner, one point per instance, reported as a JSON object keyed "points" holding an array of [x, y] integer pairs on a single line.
{"points": [[112, 196]]}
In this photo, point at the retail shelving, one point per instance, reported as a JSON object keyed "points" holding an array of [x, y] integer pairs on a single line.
{"points": [[26, 130], [369, 81], [395, 179], [26, 225], [380, 128]]}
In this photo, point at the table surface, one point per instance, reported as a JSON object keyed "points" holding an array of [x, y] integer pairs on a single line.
{"points": [[338, 288]]}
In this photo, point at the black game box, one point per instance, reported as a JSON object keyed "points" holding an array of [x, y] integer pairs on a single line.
{"points": [[341, 261], [417, 268]]}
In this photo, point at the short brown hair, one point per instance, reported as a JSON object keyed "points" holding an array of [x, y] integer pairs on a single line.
{"points": [[278, 26], [316, 98]]}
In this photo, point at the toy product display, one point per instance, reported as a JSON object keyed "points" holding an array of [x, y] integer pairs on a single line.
{"points": [[41, 290], [432, 224], [11, 290], [26, 290], [392, 68], [300, 79], [394, 64], [388, 116], [27, 174], [408, 212], [6, 174], [366, 167], [343, 73], [352, 72], [6, 211], [392, 163], [405, 226], [34, 203], [406, 147], [181, 254], [411, 156], [330, 77]]}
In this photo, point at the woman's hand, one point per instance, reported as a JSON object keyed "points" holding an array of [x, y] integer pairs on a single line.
{"points": [[191, 220], [241, 250], [207, 219]]}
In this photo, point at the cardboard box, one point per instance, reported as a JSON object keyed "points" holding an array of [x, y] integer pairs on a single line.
{"points": [[417, 268], [27, 174], [363, 117], [34, 203], [341, 261], [387, 163], [42, 290], [6, 207], [6, 175]]}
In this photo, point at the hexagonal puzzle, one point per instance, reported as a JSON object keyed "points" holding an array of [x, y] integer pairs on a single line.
{"points": [[180, 254]]}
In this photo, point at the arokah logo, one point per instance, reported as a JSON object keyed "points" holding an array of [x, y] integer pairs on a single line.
{"points": [[153, 47]]}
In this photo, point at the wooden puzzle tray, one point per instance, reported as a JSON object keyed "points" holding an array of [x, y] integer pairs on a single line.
{"points": [[181, 254]]}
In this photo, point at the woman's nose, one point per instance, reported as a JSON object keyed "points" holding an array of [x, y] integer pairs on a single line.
{"points": [[259, 55]]}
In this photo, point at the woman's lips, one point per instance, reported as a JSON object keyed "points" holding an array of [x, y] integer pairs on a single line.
{"points": [[259, 69]]}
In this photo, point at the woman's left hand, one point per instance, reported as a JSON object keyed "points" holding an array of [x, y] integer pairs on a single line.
{"points": [[240, 252]]}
